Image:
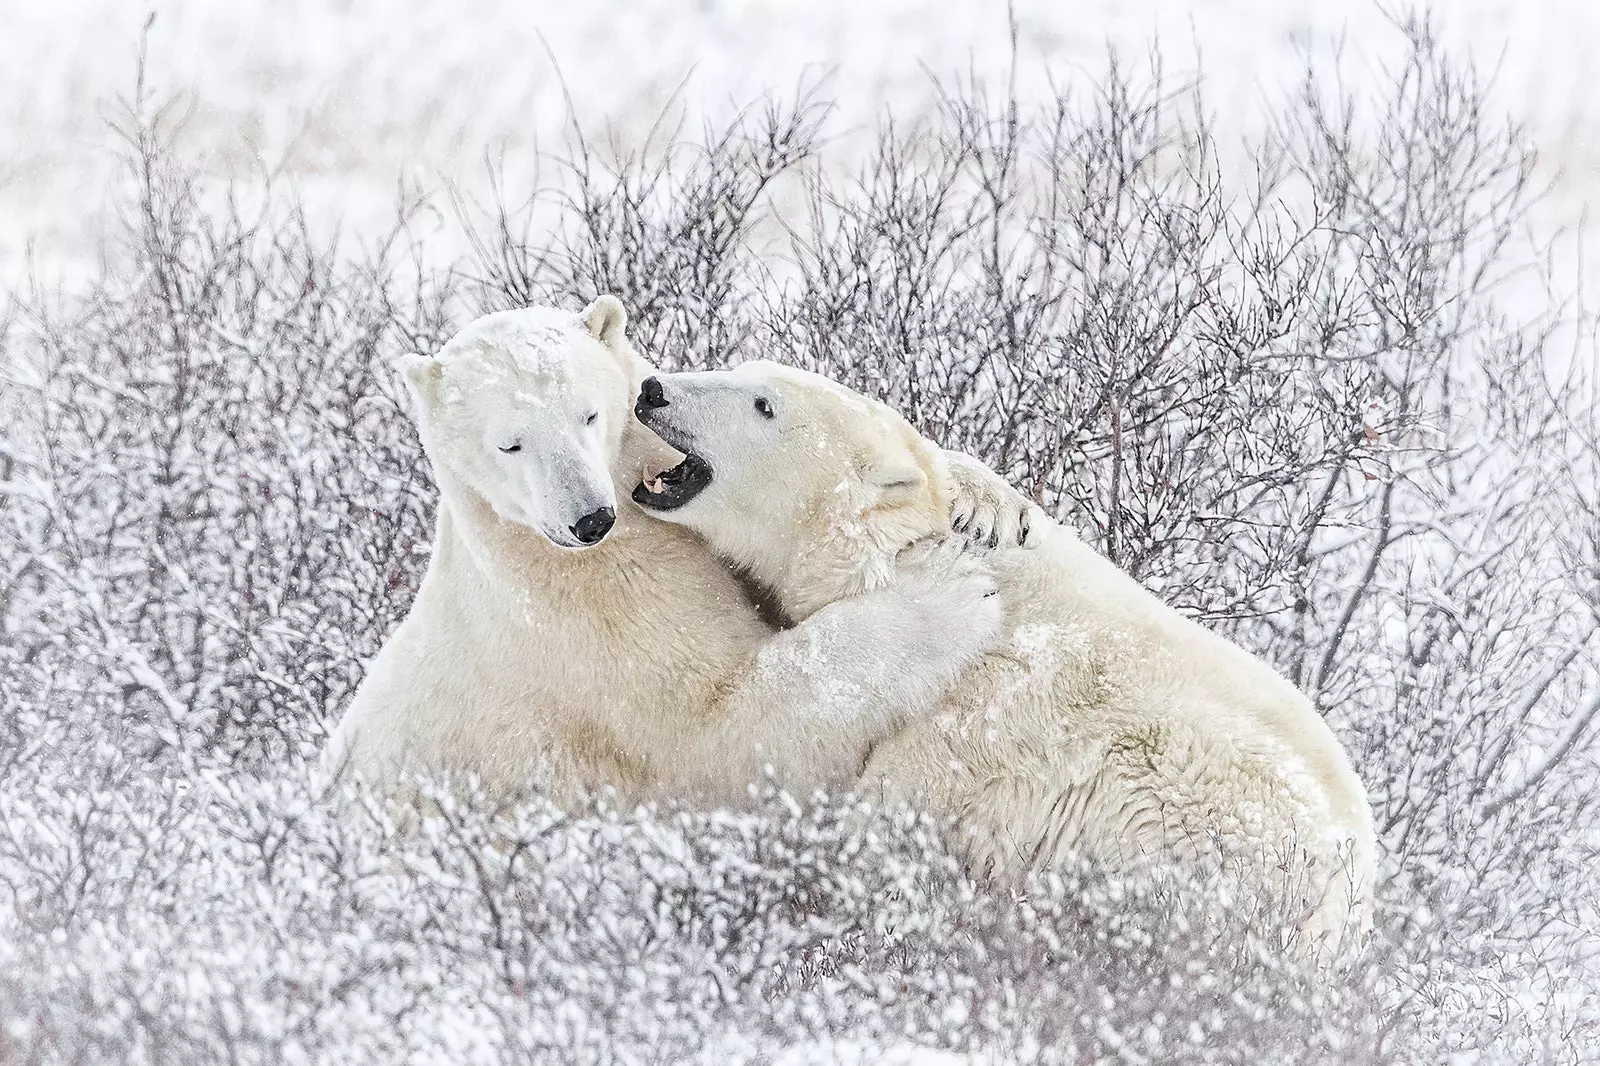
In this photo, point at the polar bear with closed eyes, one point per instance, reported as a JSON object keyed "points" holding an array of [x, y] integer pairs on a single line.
{"points": [[1107, 726], [565, 641]]}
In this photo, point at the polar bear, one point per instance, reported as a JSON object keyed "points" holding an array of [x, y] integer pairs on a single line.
{"points": [[562, 640], [1109, 727]]}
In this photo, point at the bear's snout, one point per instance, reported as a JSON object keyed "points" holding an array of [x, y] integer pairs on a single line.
{"points": [[651, 397]]}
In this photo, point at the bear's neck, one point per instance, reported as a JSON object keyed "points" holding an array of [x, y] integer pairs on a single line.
{"points": [[835, 550], [849, 556]]}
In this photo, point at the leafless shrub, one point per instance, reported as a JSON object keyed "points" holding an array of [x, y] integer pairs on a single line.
{"points": [[221, 390], [1301, 410]]}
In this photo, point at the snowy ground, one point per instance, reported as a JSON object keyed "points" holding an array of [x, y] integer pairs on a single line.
{"points": [[347, 97]]}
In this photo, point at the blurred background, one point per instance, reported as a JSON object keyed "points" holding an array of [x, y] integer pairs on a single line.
{"points": [[347, 98]]}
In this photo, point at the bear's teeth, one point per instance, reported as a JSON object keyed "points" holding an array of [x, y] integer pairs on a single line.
{"points": [[658, 485]]}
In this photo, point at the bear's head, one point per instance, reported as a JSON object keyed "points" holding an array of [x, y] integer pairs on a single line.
{"points": [[811, 488], [528, 409]]}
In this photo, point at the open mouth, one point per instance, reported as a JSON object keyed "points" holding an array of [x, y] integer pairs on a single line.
{"points": [[671, 489]]}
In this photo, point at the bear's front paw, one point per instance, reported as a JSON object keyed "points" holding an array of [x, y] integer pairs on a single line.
{"points": [[941, 556], [984, 507], [955, 599]]}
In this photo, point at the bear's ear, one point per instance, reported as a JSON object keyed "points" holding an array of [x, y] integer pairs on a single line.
{"points": [[606, 320], [422, 374], [894, 479]]}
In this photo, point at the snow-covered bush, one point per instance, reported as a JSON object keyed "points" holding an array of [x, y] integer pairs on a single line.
{"points": [[1299, 409]]}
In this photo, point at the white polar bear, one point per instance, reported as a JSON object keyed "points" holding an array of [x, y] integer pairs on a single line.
{"points": [[562, 640], [1109, 727]]}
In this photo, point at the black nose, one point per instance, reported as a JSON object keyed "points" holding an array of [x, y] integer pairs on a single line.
{"points": [[593, 527], [651, 397]]}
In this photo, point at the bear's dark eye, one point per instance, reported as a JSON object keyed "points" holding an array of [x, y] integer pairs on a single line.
{"points": [[593, 417], [511, 449], [763, 407]]}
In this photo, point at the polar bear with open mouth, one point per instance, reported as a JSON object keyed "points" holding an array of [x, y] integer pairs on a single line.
{"points": [[1108, 726]]}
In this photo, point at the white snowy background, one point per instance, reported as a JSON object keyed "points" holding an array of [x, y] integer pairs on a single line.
{"points": [[349, 97]]}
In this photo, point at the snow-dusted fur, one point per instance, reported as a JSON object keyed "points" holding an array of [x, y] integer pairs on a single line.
{"points": [[1109, 725], [637, 663]]}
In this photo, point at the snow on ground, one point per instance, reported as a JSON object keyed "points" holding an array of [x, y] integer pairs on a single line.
{"points": [[347, 97]]}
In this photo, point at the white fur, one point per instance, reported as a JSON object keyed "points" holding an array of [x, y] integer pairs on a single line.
{"points": [[636, 664], [1110, 726]]}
